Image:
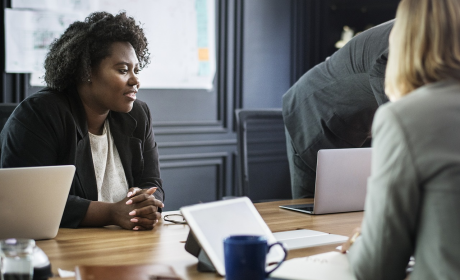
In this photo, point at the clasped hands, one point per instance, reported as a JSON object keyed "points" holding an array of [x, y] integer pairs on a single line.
{"points": [[139, 210]]}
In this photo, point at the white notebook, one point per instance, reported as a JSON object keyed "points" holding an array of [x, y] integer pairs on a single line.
{"points": [[304, 238]]}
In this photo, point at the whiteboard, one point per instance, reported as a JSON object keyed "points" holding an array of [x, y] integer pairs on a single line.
{"points": [[181, 36]]}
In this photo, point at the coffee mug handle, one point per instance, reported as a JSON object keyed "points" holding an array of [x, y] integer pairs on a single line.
{"points": [[279, 263]]}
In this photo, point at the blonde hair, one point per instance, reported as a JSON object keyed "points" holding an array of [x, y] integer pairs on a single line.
{"points": [[424, 45]]}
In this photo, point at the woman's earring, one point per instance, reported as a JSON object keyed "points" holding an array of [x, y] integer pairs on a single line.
{"points": [[89, 80]]}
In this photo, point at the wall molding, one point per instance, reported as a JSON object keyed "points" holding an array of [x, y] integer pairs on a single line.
{"points": [[221, 60], [186, 123], [268, 159], [238, 56], [190, 163], [189, 130], [194, 156], [222, 142], [220, 160]]}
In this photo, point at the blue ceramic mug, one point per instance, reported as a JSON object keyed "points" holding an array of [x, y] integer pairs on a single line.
{"points": [[245, 257]]}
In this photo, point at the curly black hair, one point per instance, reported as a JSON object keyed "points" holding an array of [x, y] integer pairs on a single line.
{"points": [[85, 44]]}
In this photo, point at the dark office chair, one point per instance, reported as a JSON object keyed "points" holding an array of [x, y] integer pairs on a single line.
{"points": [[262, 161], [5, 111]]}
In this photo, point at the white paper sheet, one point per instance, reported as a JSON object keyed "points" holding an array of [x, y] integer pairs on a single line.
{"points": [[331, 265], [54, 5], [66, 273], [28, 36], [181, 35], [176, 30]]}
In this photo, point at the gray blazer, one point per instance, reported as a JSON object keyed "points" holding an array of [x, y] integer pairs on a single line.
{"points": [[413, 199]]}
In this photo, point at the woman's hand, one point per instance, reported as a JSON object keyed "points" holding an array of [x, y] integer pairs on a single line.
{"points": [[139, 211], [345, 246], [145, 213]]}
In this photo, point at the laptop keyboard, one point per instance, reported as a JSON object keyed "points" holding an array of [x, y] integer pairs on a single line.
{"points": [[299, 207], [308, 208]]}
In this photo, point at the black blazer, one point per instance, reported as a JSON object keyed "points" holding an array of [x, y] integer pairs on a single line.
{"points": [[50, 128]]}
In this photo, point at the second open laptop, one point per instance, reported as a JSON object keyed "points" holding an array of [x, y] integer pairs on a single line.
{"points": [[32, 200], [341, 181]]}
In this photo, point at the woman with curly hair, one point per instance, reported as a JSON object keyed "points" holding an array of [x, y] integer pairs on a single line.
{"points": [[88, 116]]}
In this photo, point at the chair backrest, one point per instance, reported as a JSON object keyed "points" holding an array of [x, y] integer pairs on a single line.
{"points": [[262, 161], [5, 111]]}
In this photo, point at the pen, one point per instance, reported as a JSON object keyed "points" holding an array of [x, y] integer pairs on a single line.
{"points": [[353, 238]]}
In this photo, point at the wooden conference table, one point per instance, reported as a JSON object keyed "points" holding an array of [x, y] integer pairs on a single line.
{"points": [[165, 244]]}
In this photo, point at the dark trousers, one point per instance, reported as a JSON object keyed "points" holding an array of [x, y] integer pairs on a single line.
{"points": [[303, 177], [303, 171]]}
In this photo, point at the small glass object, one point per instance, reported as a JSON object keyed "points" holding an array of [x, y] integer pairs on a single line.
{"points": [[16, 259]]}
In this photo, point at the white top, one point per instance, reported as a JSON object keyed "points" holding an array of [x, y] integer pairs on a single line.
{"points": [[110, 175]]}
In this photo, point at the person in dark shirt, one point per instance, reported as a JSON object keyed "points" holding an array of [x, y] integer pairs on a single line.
{"points": [[333, 104]]}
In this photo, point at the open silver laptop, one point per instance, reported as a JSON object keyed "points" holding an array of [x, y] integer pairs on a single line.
{"points": [[341, 181], [32, 200]]}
